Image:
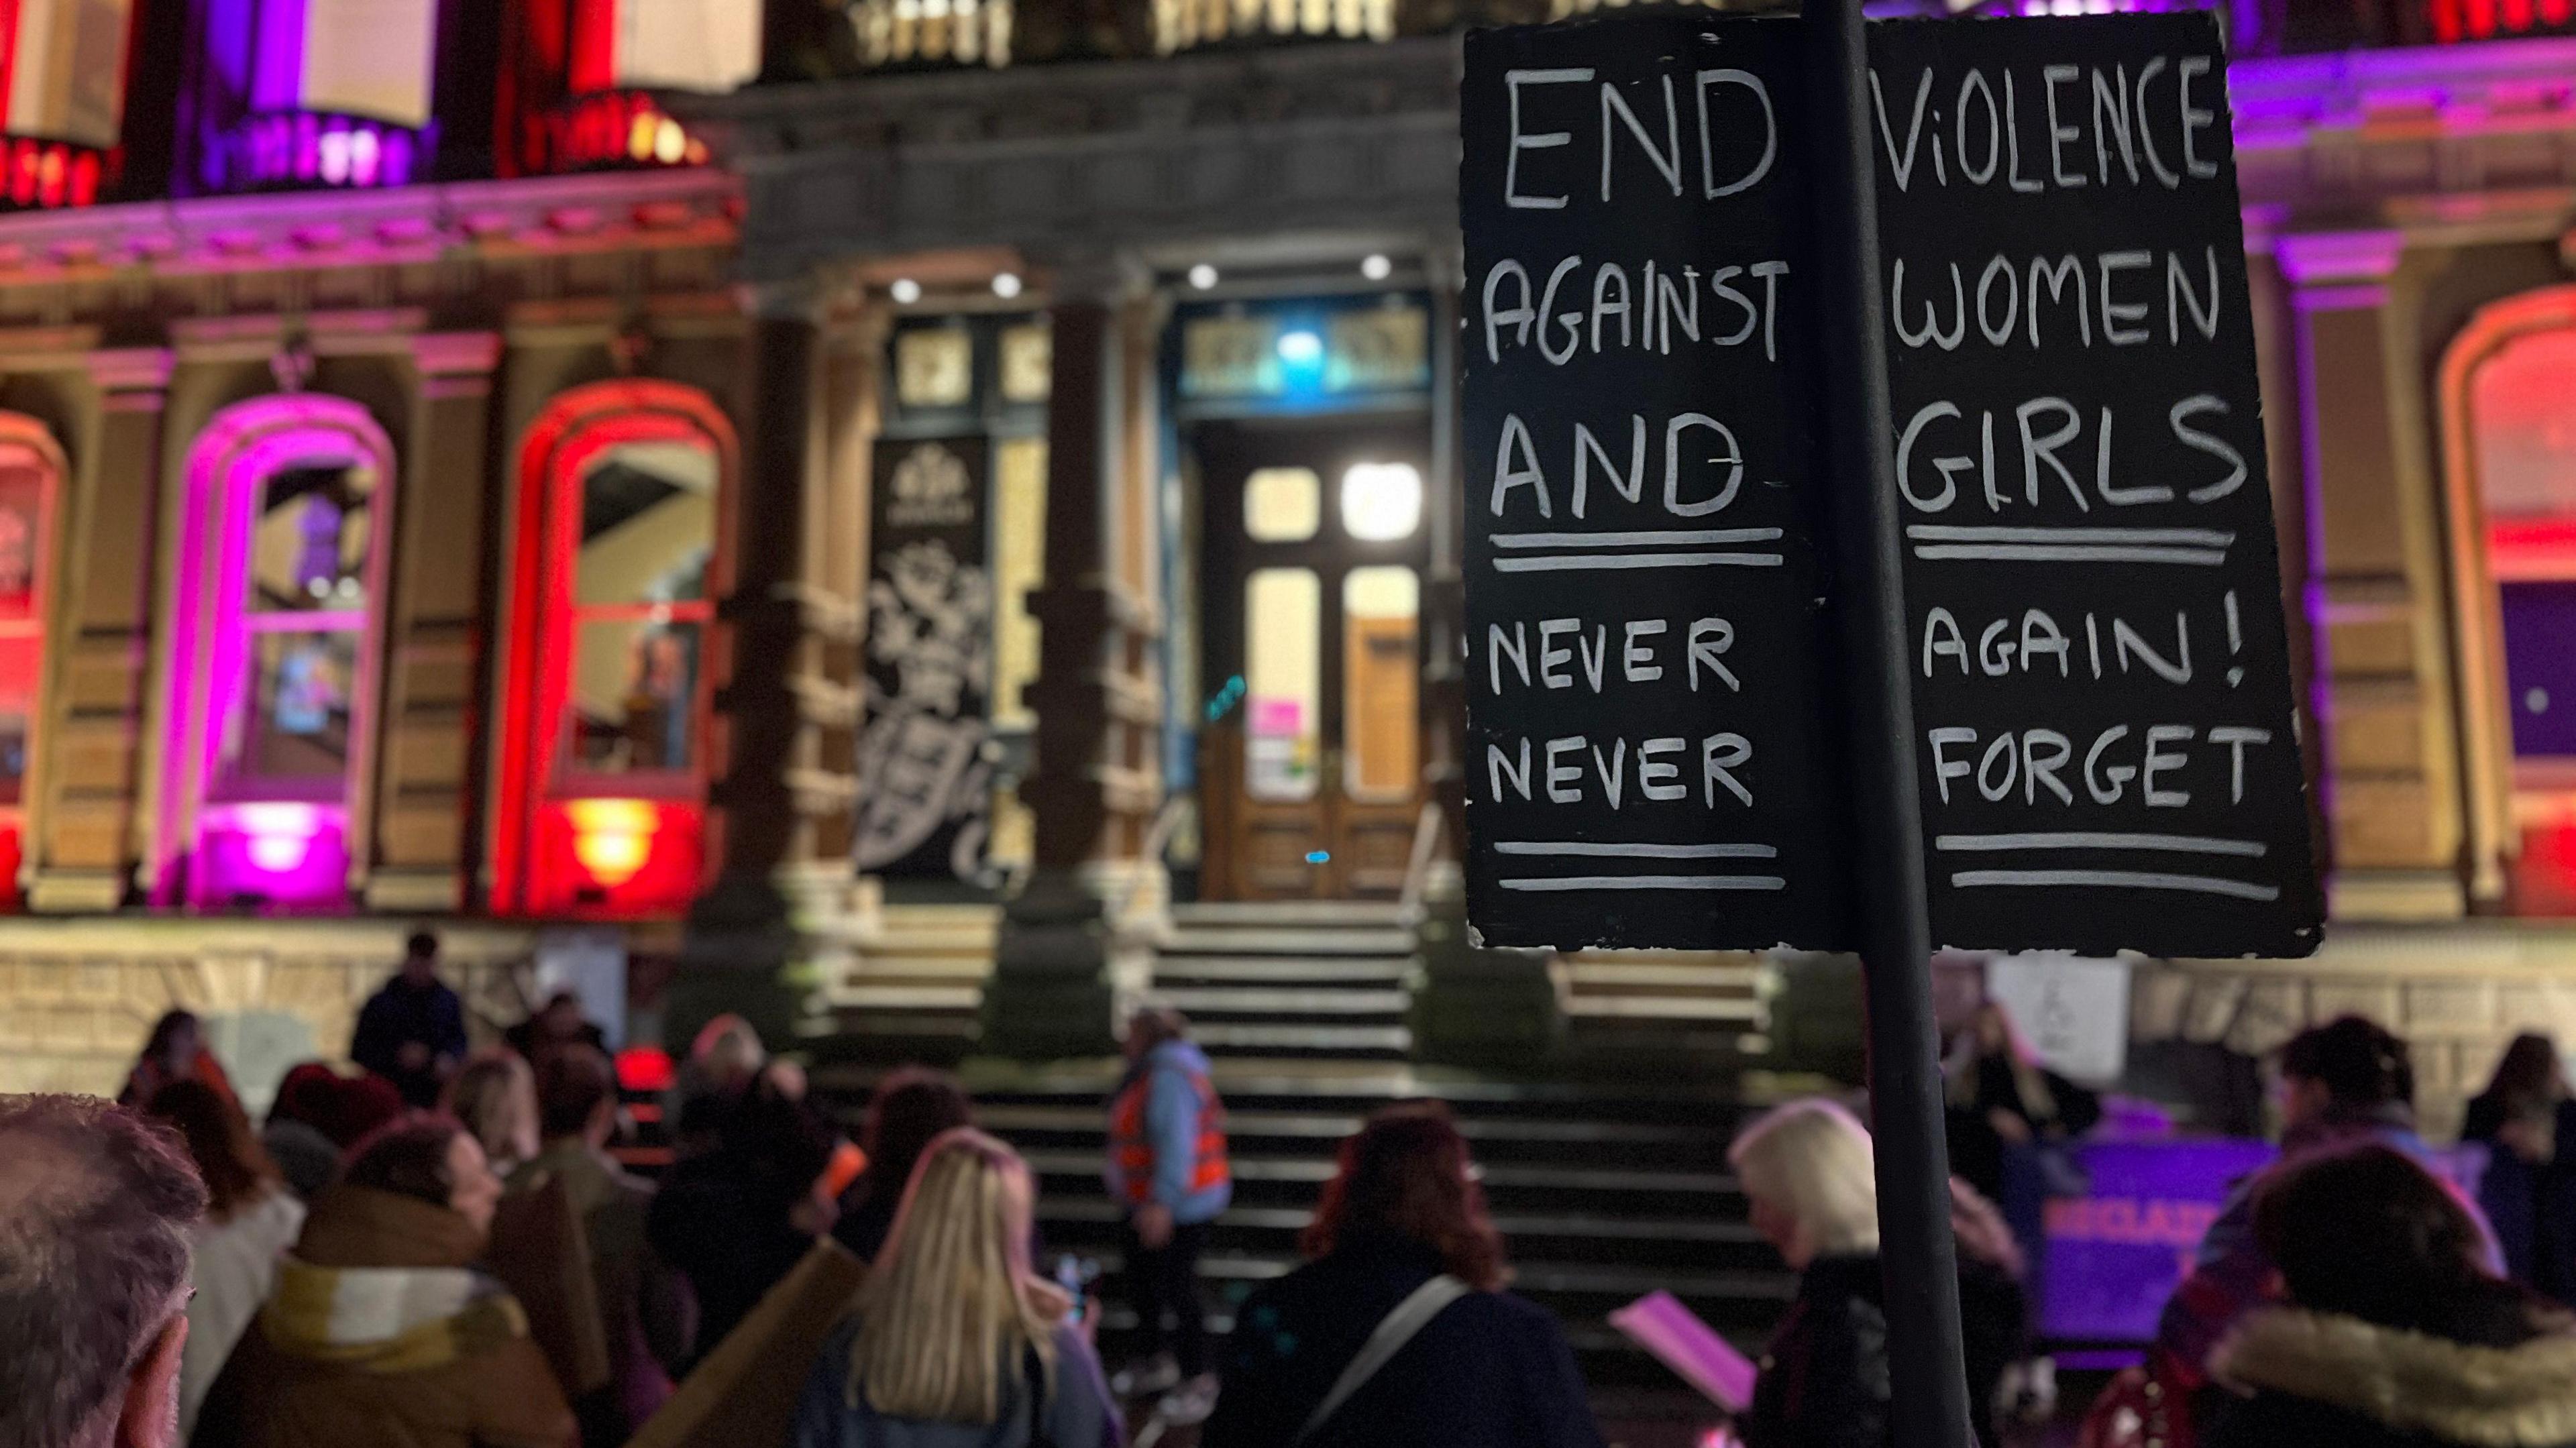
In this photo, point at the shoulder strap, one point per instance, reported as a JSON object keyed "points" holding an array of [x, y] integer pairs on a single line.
{"points": [[1033, 1370], [1393, 1331]]}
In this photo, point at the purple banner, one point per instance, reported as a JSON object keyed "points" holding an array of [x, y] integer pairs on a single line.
{"points": [[2113, 1256], [2110, 1257]]}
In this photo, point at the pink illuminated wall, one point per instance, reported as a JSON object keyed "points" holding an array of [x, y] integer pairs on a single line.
{"points": [[228, 833]]}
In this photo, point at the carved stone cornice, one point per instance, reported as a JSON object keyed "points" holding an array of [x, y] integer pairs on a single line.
{"points": [[2451, 145], [400, 225], [1095, 158], [456, 354], [131, 370]]}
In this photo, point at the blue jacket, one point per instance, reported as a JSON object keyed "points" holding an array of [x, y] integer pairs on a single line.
{"points": [[2231, 1274], [1172, 1127]]}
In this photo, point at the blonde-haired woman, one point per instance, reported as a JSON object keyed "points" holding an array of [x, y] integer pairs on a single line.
{"points": [[1806, 1169], [495, 1096], [956, 1342]]}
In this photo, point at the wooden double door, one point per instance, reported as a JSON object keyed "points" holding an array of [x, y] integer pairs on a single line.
{"points": [[1311, 763]]}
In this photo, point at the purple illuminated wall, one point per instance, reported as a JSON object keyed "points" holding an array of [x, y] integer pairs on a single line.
{"points": [[246, 123]]}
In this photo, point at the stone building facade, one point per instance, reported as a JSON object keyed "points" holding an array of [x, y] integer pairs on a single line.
{"points": [[1060, 399]]}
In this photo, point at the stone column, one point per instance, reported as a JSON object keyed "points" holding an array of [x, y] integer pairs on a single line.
{"points": [[90, 825], [2383, 679], [1069, 946], [780, 813], [1475, 1006], [429, 788]]}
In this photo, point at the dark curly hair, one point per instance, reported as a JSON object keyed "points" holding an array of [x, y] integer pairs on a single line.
{"points": [[911, 1107], [235, 1167], [2362, 1066], [408, 1157], [1407, 1175], [2365, 1232]]}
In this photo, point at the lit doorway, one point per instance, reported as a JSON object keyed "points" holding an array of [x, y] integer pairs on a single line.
{"points": [[1311, 758]]}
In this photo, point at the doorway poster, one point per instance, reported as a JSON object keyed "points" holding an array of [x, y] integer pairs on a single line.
{"points": [[924, 775]]}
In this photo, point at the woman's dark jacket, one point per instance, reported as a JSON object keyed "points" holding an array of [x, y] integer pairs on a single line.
{"points": [[1491, 1371], [1824, 1381], [2531, 1205]]}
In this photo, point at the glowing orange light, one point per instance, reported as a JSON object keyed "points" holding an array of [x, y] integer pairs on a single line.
{"points": [[612, 838]]}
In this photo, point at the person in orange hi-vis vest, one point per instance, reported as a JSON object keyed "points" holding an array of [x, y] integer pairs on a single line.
{"points": [[1167, 1168]]}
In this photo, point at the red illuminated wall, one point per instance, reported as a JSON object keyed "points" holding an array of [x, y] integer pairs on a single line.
{"points": [[561, 106], [31, 474], [600, 845]]}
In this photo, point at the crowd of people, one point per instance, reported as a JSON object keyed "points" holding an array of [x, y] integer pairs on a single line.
{"points": [[440, 1250]]}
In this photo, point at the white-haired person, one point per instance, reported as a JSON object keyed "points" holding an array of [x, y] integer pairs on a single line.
{"points": [[956, 1341], [1806, 1169]]}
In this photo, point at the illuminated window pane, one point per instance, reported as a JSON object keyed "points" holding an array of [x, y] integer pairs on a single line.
{"points": [[1381, 501], [1028, 359], [1282, 505], [1283, 678], [309, 543], [934, 367], [1381, 679], [1185, 24], [634, 696], [2525, 441], [647, 525], [371, 58], [21, 661], [293, 727], [710, 46], [66, 70], [22, 533], [2526, 431]]}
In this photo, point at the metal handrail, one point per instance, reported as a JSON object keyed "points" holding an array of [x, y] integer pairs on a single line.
{"points": [[1149, 852], [1426, 846]]}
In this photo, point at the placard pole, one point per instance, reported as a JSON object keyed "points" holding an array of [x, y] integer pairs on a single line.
{"points": [[1916, 1253]]}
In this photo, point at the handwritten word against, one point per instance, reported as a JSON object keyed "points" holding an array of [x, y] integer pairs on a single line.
{"points": [[1648, 756], [2101, 681]]}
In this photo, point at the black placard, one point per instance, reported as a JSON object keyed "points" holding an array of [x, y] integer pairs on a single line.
{"points": [[2100, 672], [2114, 601], [1648, 756], [928, 785]]}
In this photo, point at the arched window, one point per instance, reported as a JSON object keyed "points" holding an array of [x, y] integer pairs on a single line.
{"points": [[273, 655], [2510, 453], [605, 754], [31, 474]]}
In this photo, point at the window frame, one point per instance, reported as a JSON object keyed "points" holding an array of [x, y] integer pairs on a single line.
{"points": [[575, 431], [228, 467], [2494, 798], [24, 437]]}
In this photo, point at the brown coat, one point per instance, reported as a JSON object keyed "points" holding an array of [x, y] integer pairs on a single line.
{"points": [[495, 1393]]}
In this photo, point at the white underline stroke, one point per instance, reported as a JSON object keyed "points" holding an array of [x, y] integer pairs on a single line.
{"points": [[2187, 537], [1560, 562], [2103, 840], [1641, 851], [1650, 882], [2073, 553], [1649, 538], [2127, 879]]}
